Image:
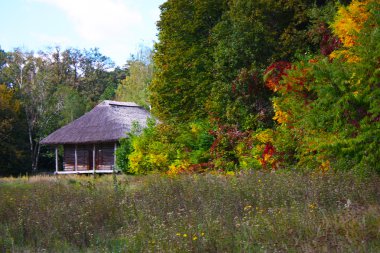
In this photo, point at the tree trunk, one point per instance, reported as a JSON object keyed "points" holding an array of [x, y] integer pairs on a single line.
{"points": [[37, 149], [31, 143]]}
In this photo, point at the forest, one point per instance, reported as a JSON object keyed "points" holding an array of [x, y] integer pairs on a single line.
{"points": [[234, 85], [263, 85]]}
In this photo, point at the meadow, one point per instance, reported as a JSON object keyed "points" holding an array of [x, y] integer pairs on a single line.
{"points": [[245, 212]]}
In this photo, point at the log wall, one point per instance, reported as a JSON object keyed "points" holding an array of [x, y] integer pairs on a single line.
{"points": [[104, 157]]}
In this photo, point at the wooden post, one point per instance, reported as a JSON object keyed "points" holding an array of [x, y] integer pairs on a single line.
{"points": [[56, 159], [114, 156], [93, 160], [76, 159]]}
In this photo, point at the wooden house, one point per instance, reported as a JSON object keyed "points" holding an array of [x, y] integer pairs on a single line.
{"points": [[90, 142]]}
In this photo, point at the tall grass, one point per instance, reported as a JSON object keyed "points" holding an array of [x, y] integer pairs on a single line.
{"points": [[250, 212]]}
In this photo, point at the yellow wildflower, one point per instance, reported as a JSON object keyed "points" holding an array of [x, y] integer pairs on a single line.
{"points": [[312, 206], [246, 208]]}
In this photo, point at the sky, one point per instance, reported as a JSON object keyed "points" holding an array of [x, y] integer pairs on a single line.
{"points": [[117, 27]]}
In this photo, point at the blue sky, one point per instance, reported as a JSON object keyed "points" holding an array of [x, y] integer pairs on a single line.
{"points": [[116, 27]]}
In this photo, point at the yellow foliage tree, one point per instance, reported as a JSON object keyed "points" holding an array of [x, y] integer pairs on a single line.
{"points": [[347, 24]]}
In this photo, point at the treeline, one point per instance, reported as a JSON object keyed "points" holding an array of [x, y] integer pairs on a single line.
{"points": [[40, 92], [262, 85], [235, 85]]}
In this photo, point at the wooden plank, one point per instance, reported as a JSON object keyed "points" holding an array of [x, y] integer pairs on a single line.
{"points": [[85, 172], [83, 157], [104, 155], [68, 157]]}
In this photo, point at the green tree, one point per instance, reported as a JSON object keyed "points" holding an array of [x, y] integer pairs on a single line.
{"points": [[71, 105], [55, 87], [3, 57], [29, 73], [134, 88], [183, 58], [95, 75], [250, 36]]}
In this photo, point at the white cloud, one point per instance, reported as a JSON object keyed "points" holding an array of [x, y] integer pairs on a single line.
{"points": [[95, 20], [117, 27]]}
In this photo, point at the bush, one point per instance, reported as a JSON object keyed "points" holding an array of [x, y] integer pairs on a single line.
{"points": [[164, 147]]}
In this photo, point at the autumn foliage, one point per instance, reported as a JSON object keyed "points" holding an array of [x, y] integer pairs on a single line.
{"points": [[262, 105]]}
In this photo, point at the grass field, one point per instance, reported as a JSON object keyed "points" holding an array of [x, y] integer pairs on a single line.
{"points": [[249, 212]]}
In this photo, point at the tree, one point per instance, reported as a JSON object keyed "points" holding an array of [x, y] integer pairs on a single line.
{"points": [[134, 88], [250, 36], [55, 87], [95, 69], [13, 145], [3, 57], [329, 107], [183, 59], [30, 75]]}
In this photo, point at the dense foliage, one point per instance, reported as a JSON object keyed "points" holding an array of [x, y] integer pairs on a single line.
{"points": [[279, 84], [183, 59], [166, 148], [13, 149], [329, 106], [134, 88]]}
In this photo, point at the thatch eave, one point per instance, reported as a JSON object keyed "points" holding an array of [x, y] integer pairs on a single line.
{"points": [[107, 122]]}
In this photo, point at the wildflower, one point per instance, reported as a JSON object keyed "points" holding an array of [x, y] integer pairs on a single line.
{"points": [[246, 208], [348, 204], [202, 234], [312, 206], [178, 234], [185, 235], [195, 238]]}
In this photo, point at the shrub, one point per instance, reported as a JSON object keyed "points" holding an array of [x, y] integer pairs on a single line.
{"points": [[164, 147]]}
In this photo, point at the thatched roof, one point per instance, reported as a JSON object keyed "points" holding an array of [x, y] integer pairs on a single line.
{"points": [[107, 122]]}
